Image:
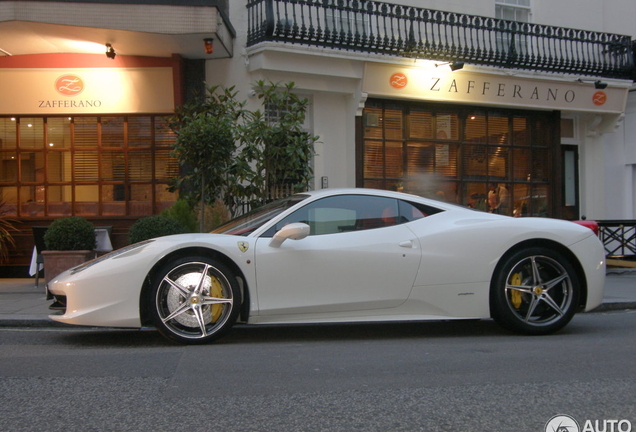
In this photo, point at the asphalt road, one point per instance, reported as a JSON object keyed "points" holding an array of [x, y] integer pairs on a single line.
{"points": [[448, 376]]}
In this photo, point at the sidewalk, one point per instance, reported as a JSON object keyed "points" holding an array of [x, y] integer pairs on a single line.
{"points": [[23, 305]]}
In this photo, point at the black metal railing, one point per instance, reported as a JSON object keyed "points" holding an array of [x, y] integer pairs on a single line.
{"points": [[618, 237], [390, 29]]}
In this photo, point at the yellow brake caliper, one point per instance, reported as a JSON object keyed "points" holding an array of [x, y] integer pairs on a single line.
{"points": [[515, 295], [217, 292]]}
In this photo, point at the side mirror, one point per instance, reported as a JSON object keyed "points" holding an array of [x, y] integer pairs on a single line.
{"points": [[294, 231]]}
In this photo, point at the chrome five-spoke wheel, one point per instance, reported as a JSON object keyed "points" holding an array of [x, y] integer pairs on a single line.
{"points": [[195, 300], [536, 291]]}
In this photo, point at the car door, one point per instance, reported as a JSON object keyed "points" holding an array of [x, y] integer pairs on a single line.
{"points": [[357, 257]]}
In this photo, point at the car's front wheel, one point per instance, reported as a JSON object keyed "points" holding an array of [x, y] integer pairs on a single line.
{"points": [[535, 291], [195, 300]]}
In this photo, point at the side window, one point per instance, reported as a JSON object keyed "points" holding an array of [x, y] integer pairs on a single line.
{"points": [[410, 211], [343, 213]]}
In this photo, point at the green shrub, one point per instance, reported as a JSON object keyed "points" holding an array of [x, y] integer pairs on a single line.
{"points": [[154, 226], [71, 233], [183, 213]]}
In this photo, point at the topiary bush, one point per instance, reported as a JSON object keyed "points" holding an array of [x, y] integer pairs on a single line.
{"points": [[154, 226], [71, 233]]}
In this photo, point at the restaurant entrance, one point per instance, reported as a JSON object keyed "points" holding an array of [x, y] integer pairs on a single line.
{"points": [[497, 160]]}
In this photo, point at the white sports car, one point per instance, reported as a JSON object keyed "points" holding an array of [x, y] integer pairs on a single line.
{"points": [[341, 256]]}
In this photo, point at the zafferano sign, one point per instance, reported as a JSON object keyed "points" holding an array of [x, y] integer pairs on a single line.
{"points": [[440, 84], [35, 91]]}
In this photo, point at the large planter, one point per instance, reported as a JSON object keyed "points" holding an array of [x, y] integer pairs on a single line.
{"points": [[55, 262]]}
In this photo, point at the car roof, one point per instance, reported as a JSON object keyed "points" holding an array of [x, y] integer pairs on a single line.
{"points": [[379, 192]]}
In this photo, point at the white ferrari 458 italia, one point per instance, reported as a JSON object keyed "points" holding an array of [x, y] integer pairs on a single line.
{"points": [[343, 255]]}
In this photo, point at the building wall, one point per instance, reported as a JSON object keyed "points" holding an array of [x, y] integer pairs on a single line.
{"points": [[608, 162], [332, 80], [612, 16], [619, 149], [629, 141], [332, 84]]}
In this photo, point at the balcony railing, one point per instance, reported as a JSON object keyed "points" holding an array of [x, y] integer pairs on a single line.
{"points": [[406, 31], [618, 237]]}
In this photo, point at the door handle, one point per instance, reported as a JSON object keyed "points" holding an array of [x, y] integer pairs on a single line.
{"points": [[407, 244]]}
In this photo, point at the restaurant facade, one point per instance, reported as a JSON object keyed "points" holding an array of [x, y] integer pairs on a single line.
{"points": [[85, 133]]}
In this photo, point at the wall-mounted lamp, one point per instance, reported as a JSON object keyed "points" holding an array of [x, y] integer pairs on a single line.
{"points": [[598, 84], [209, 45], [110, 51], [453, 65]]}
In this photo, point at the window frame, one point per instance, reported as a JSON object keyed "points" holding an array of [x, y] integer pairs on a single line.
{"points": [[514, 5], [367, 216], [539, 144], [58, 183]]}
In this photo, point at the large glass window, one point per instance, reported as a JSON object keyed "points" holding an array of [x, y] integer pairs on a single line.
{"points": [[86, 165], [513, 10], [493, 160]]}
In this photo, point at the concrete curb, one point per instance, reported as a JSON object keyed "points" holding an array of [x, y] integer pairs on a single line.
{"points": [[606, 307]]}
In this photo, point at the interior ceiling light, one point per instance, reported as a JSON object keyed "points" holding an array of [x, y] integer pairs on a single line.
{"points": [[110, 51], [457, 65], [209, 45]]}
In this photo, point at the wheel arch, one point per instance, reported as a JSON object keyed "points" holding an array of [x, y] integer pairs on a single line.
{"points": [[144, 298], [553, 245]]}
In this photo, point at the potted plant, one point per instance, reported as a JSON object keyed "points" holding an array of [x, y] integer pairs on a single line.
{"points": [[69, 242]]}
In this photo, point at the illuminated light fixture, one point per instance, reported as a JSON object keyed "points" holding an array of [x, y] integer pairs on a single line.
{"points": [[208, 43], [110, 51], [598, 84], [457, 66], [453, 65]]}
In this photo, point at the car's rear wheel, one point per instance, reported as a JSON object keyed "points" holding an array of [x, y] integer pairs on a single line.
{"points": [[535, 291], [195, 300]]}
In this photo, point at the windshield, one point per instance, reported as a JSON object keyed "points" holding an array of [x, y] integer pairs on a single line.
{"points": [[249, 222]]}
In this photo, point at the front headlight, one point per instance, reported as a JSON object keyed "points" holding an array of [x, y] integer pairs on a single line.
{"points": [[110, 255]]}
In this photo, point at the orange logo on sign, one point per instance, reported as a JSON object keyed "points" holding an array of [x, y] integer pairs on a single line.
{"points": [[398, 80], [69, 85], [599, 98]]}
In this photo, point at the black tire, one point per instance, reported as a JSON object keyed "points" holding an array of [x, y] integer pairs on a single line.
{"points": [[195, 300], [535, 291]]}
